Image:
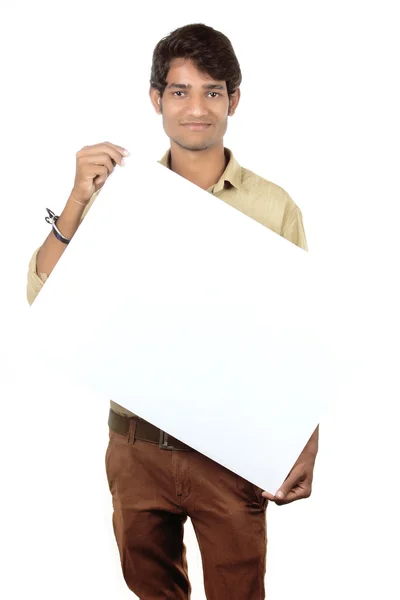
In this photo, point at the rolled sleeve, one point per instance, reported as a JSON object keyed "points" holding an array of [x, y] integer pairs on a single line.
{"points": [[294, 228], [35, 281]]}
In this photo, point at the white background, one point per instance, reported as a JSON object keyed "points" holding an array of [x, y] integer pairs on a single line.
{"points": [[319, 116]]}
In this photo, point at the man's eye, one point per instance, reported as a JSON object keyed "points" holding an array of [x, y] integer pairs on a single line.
{"points": [[179, 92]]}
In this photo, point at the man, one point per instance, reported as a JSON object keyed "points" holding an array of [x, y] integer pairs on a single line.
{"points": [[156, 481]]}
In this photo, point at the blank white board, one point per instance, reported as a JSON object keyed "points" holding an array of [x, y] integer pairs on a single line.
{"points": [[193, 316]]}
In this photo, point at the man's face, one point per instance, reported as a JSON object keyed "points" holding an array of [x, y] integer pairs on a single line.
{"points": [[194, 106]]}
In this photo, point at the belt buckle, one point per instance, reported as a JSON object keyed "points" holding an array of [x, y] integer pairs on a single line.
{"points": [[163, 442]]}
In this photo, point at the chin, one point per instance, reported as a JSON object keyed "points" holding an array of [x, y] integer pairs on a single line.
{"points": [[194, 146]]}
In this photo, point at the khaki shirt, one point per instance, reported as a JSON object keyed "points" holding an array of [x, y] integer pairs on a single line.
{"points": [[253, 195]]}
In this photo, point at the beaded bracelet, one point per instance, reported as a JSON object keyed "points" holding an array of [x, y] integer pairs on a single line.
{"points": [[52, 220]]}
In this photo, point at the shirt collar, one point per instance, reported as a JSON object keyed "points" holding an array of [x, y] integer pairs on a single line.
{"points": [[232, 173]]}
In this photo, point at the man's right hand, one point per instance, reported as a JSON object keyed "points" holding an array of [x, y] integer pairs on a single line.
{"points": [[93, 165]]}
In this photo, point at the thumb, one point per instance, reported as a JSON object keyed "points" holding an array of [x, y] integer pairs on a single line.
{"points": [[292, 479]]}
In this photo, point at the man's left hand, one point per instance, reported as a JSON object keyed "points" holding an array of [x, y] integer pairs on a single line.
{"points": [[297, 484]]}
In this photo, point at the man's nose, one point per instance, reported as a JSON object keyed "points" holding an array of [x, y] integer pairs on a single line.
{"points": [[197, 107]]}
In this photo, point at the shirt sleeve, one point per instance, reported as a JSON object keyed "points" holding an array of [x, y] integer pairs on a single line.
{"points": [[35, 281], [293, 228]]}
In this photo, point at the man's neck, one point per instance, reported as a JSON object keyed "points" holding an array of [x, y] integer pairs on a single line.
{"points": [[203, 168]]}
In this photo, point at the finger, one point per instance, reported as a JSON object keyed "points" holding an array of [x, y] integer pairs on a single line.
{"points": [[98, 183], [98, 149], [117, 156], [92, 171], [115, 147], [268, 496], [293, 495], [121, 149], [100, 159], [100, 179], [290, 482]]}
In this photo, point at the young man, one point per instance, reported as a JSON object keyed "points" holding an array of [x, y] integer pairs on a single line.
{"points": [[157, 482]]}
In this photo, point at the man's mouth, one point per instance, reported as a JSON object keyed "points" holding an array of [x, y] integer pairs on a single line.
{"points": [[196, 126]]}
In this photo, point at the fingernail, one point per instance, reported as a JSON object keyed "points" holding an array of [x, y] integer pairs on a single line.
{"points": [[125, 152], [280, 495], [122, 162]]}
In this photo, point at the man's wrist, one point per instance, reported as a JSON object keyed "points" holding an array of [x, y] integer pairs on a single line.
{"points": [[310, 450], [308, 455]]}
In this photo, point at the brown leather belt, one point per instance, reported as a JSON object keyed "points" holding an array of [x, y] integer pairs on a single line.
{"points": [[145, 432]]}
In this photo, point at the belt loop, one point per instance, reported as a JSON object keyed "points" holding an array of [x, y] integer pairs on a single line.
{"points": [[132, 430]]}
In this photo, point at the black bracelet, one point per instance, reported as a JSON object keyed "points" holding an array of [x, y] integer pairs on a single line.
{"points": [[52, 220]]}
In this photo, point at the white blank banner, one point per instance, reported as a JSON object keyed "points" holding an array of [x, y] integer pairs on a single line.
{"points": [[195, 317]]}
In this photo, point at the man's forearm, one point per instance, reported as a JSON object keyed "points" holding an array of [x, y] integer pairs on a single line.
{"points": [[52, 249], [311, 448]]}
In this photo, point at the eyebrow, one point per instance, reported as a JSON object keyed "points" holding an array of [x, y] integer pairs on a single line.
{"points": [[206, 86]]}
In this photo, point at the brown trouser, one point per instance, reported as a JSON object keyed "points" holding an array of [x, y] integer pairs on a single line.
{"points": [[154, 491]]}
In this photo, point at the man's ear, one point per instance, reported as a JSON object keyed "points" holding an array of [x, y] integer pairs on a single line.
{"points": [[233, 102], [155, 98]]}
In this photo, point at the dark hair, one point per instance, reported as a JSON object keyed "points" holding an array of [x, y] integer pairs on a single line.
{"points": [[210, 50]]}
